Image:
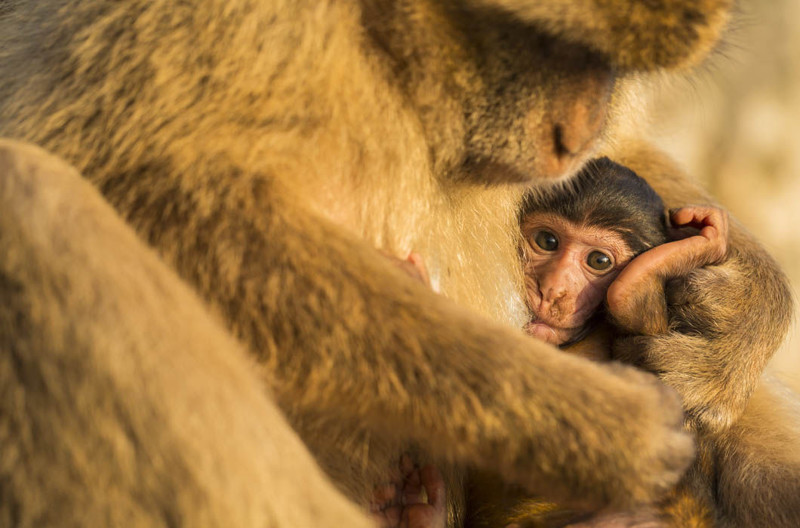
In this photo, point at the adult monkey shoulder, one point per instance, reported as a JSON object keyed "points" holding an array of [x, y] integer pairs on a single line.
{"points": [[231, 133]]}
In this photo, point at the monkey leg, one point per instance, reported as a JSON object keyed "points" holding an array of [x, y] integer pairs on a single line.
{"points": [[123, 402]]}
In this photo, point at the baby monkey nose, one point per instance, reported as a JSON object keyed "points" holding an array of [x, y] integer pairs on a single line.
{"points": [[552, 299]]}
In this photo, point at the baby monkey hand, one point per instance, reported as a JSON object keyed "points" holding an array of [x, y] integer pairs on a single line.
{"points": [[700, 238], [636, 299]]}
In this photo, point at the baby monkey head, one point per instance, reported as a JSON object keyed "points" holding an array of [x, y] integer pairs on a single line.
{"points": [[577, 237]]}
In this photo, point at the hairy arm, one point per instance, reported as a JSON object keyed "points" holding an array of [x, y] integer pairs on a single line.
{"points": [[636, 300], [349, 335], [725, 321]]}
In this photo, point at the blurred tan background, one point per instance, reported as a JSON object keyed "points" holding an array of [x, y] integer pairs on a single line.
{"points": [[736, 128]]}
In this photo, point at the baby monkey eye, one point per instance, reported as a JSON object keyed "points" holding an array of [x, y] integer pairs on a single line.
{"points": [[599, 261], [546, 240]]}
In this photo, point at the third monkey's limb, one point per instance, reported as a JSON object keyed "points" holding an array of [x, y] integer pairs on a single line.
{"points": [[725, 321]]}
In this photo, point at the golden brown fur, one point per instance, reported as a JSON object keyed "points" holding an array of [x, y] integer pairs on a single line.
{"points": [[74, 454], [263, 149]]}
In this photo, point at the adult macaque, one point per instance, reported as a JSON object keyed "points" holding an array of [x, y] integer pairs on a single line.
{"points": [[262, 149]]}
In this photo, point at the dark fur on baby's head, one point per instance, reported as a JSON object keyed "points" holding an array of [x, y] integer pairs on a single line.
{"points": [[607, 195]]}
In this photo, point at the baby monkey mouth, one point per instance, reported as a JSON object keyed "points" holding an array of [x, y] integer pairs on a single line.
{"points": [[550, 331]]}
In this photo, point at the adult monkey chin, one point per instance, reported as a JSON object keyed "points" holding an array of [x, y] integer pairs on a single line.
{"points": [[263, 148]]}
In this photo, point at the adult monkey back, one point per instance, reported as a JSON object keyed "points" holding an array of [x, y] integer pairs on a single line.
{"points": [[263, 148]]}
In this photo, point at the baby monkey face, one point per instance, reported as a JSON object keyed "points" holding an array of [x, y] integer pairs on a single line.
{"points": [[568, 269]]}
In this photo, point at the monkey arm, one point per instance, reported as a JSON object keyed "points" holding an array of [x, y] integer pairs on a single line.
{"points": [[351, 338], [725, 321], [636, 300]]}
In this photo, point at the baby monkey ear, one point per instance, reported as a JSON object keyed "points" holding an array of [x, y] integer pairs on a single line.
{"points": [[635, 35]]}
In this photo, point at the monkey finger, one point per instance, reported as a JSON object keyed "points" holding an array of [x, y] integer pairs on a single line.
{"points": [[718, 245], [388, 518], [711, 233], [385, 493], [693, 252], [416, 260], [431, 479], [715, 233], [406, 466], [664, 261], [694, 215], [422, 516], [689, 214], [413, 491], [700, 217]]}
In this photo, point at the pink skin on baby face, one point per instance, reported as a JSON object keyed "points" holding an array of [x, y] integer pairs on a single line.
{"points": [[568, 269]]}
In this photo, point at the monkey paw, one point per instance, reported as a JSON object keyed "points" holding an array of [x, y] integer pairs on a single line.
{"points": [[659, 450], [612, 436]]}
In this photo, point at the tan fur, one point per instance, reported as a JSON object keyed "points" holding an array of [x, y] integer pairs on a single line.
{"points": [[669, 33], [6, 6], [702, 355], [75, 435], [758, 461], [263, 149], [746, 474]]}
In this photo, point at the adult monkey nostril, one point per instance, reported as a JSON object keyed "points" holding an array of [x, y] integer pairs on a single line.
{"points": [[575, 123], [558, 142], [581, 122]]}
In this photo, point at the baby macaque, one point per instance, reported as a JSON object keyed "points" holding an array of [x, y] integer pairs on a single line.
{"points": [[579, 239], [597, 251]]}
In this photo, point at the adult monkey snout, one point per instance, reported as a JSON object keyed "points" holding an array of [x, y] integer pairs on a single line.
{"points": [[573, 125]]}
